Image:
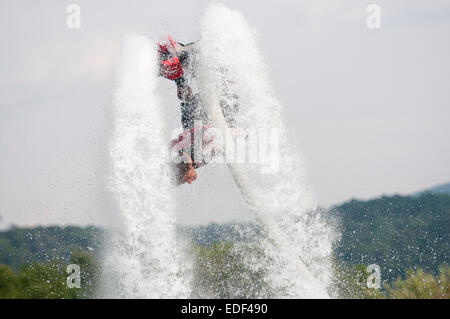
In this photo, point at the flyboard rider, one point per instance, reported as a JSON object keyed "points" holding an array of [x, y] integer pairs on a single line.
{"points": [[176, 63]]}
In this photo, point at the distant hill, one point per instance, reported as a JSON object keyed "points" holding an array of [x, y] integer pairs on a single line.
{"points": [[395, 232], [212, 233], [20, 246], [439, 189]]}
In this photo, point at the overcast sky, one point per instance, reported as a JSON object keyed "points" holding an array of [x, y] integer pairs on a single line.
{"points": [[369, 108]]}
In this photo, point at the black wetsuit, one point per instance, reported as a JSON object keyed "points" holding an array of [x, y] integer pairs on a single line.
{"points": [[192, 109]]}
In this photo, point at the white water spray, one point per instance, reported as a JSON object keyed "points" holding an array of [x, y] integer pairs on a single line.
{"points": [[298, 241], [144, 261]]}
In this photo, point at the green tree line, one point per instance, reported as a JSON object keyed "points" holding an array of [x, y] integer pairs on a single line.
{"points": [[408, 237], [219, 272]]}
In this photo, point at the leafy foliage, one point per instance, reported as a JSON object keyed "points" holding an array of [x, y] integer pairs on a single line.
{"points": [[420, 285], [49, 280], [221, 271], [350, 282]]}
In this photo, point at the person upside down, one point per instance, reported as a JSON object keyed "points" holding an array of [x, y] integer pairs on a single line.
{"points": [[176, 61]]}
